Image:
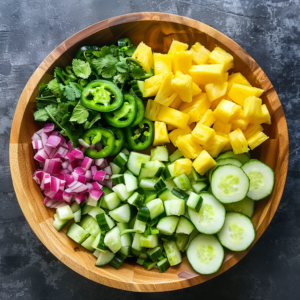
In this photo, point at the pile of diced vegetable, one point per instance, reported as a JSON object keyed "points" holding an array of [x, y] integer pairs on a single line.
{"points": [[198, 200]]}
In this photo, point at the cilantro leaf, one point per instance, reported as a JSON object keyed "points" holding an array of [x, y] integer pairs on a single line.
{"points": [[80, 114], [105, 66], [62, 110], [122, 65], [42, 114], [137, 72], [120, 78], [68, 92], [77, 88], [130, 50], [95, 117], [53, 86], [109, 72], [81, 68]]}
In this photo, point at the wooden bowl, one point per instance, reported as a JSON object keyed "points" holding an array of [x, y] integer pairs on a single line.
{"points": [[157, 30]]}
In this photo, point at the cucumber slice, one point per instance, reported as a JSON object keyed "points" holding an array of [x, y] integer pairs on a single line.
{"points": [[229, 184], [166, 194], [261, 179], [136, 242], [112, 240], [131, 182], [169, 171], [175, 207], [143, 213], [182, 182], [211, 217], [148, 184], [156, 207], [135, 161], [138, 87], [151, 241], [196, 176], [86, 209], [77, 216], [120, 160], [74, 207], [118, 178], [180, 194], [205, 254], [173, 253], [149, 195], [65, 213], [121, 214], [58, 223], [167, 225], [160, 153], [243, 157], [115, 169], [194, 202], [245, 207], [125, 151], [148, 265], [154, 254], [104, 258], [139, 226], [95, 211], [199, 186], [117, 261], [104, 222], [163, 265], [136, 199], [181, 241], [237, 233], [121, 191], [185, 226], [175, 155], [170, 184], [159, 185], [77, 233], [111, 201], [90, 225], [99, 242]]}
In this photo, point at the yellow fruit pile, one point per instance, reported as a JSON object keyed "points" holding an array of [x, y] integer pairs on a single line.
{"points": [[193, 92]]}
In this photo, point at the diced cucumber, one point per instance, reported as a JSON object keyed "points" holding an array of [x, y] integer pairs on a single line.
{"points": [[111, 201], [136, 242], [156, 207], [121, 214], [143, 213], [99, 242], [205, 254], [58, 223], [160, 153], [166, 194], [90, 225], [77, 216], [151, 241], [245, 207], [184, 226], [121, 191], [199, 186], [173, 253], [175, 155], [125, 151], [135, 161], [140, 261], [74, 207], [261, 179], [191, 237], [181, 241], [96, 253], [139, 226], [174, 207], [115, 169], [77, 233], [148, 265], [197, 177], [182, 182], [138, 87], [211, 217], [169, 171], [160, 184], [170, 184], [163, 265], [117, 261], [105, 223], [237, 233], [243, 157], [86, 209], [87, 244], [136, 199], [131, 183], [112, 240], [126, 251], [118, 178], [194, 202], [150, 195], [65, 213], [154, 254], [229, 184], [120, 160], [104, 258], [180, 194], [148, 184], [95, 211], [128, 172], [151, 169], [168, 225]]}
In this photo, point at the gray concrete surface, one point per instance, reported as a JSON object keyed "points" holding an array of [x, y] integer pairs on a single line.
{"points": [[268, 30]]}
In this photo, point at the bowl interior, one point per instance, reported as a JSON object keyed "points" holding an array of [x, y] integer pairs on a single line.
{"points": [[158, 33]]}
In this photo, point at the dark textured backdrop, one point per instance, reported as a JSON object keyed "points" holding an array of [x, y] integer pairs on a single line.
{"points": [[31, 29]]}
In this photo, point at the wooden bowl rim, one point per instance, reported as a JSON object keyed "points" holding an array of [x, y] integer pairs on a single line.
{"points": [[63, 47]]}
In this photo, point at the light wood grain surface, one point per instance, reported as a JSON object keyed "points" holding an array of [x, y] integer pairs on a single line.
{"points": [[157, 30]]}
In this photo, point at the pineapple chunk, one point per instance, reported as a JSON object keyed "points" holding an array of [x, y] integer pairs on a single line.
{"points": [[203, 162], [239, 123], [144, 55], [222, 127], [217, 145], [257, 139], [160, 134], [251, 130], [197, 108], [238, 93], [252, 109], [195, 88], [176, 102], [173, 136], [216, 90], [203, 135], [173, 117], [220, 56], [226, 111], [170, 127], [204, 74], [165, 95], [152, 85], [181, 61], [152, 110], [238, 141], [162, 63], [208, 118], [199, 54], [182, 166], [237, 78], [228, 146], [215, 103], [182, 85], [177, 46], [187, 146], [265, 115]]}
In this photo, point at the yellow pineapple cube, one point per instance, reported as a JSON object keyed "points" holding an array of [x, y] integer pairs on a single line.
{"points": [[226, 111], [222, 127], [199, 54], [203, 162], [195, 88], [208, 118], [238, 93], [165, 91], [152, 85], [215, 103], [204, 74], [188, 147], [265, 115], [239, 123], [182, 61], [152, 110], [220, 56], [160, 134], [238, 141], [203, 135], [217, 145], [257, 139], [251, 130], [162, 63], [182, 85], [144, 55], [176, 103], [228, 146], [182, 166], [216, 90], [171, 127], [173, 117], [177, 46], [252, 109], [173, 136], [237, 78], [197, 108]]}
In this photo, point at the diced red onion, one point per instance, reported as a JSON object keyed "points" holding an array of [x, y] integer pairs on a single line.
{"points": [[60, 176], [41, 156], [80, 197], [92, 146], [108, 170], [54, 133], [107, 177], [99, 161], [67, 197], [62, 185], [74, 164], [69, 156], [90, 186], [55, 184], [77, 187], [70, 145], [88, 175], [99, 176], [65, 164], [108, 183], [64, 171], [81, 178], [53, 141], [77, 153], [94, 170], [35, 137], [58, 196], [46, 184], [37, 144], [61, 152], [70, 169], [44, 136], [86, 164], [49, 193], [80, 147], [69, 179], [52, 166], [79, 171], [97, 185], [48, 127], [38, 176]]}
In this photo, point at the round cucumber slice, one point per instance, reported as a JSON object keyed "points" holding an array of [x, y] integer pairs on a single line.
{"points": [[205, 254], [243, 157], [261, 179], [229, 184], [245, 207], [237, 233], [211, 216]]}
